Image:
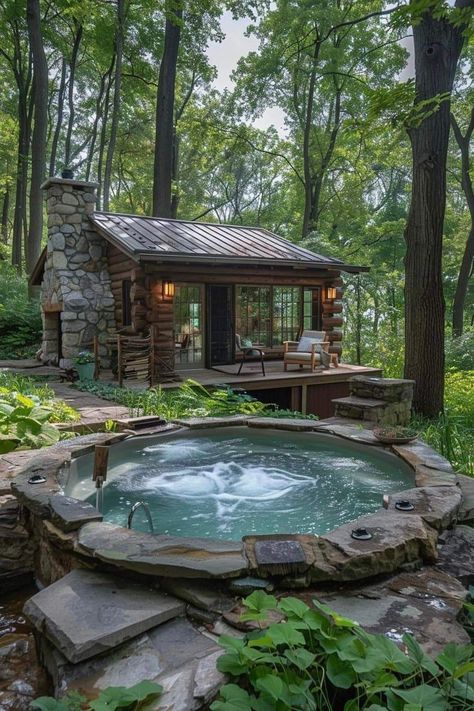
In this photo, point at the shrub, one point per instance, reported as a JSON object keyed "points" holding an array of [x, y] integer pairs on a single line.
{"points": [[460, 352], [20, 317], [316, 660], [40, 393]]}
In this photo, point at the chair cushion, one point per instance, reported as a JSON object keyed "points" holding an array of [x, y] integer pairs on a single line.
{"points": [[298, 357], [245, 343], [305, 344]]}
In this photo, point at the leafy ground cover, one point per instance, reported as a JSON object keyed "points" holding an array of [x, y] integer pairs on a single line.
{"points": [[20, 317], [191, 399], [316, 660], [452, 433], [28, 411], [133, 698]]}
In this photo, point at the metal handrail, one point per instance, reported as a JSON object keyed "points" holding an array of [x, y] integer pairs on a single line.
{"points": [[146, 508]]}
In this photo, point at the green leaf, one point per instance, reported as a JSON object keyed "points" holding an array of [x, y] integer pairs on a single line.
{"points": [[292, 607], [231, 664], [425, 696], [259, 601], [416, 653], [340, 673], [338, 620], [232, 698], [271, 685], [285, 633], [301, 658], [453, 655], [47, 703]]}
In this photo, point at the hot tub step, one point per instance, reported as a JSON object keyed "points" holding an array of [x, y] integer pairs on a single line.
{"points": [[87, 613], [139, 423]]}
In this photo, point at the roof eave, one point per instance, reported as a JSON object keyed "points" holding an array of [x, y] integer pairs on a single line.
{"points": [[273, 261]]}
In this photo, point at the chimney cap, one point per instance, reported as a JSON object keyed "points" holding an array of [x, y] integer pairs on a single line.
{"points": [[81, 184]]}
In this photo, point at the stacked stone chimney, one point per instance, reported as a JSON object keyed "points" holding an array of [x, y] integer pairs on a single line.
{"points": [[76, 298]]}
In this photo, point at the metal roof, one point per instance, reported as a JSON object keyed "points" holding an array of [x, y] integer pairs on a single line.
{"points": [[160, 239]]}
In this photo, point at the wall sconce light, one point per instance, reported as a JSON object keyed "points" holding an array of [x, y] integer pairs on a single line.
{"points": [[168, 289], [331, 292]]}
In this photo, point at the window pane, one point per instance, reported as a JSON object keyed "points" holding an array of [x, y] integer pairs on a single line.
{"points": [[286, 313], [312, 318], [253, 310], [187, 307]]}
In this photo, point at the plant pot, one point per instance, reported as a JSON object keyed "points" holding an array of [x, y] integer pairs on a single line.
{"points": [[85, 370], [385, 438]]}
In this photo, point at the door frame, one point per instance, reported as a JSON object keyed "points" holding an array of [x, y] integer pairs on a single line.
{"points": [[202, 362], [208, 364]]}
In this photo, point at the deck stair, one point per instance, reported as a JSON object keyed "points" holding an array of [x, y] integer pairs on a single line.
{"points": [[383, 401]]}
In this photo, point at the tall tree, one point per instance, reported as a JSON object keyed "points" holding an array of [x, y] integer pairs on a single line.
{"points": [[40, 130], [163, 168], [438, 41], [467, 263]]}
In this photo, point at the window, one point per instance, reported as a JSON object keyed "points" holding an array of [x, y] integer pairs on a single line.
{"points": [[312, 319], [286, 313], [187, 308], [253, 314], [126, 303], [269, 315]]}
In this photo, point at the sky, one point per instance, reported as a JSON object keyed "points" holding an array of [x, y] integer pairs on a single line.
{"points": [[225, 55]]}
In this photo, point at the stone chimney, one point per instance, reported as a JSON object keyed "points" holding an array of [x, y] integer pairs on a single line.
{"points": [[76, 298]]}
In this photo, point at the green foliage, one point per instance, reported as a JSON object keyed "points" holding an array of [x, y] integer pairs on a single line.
{"points": [[25, 425], [39, 392], [191, 399], [460, 352], [317, 660], [452, 433], [132, 698], [20, 317], [84, 357]]}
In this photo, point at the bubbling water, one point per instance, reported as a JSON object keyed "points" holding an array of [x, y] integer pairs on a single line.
{"points": [[241, 481]]}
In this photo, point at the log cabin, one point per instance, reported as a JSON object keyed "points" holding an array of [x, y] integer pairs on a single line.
{"points": [[192, 285]]}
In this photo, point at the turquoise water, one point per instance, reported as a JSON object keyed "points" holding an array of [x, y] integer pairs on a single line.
{"points": [[238, 481]]}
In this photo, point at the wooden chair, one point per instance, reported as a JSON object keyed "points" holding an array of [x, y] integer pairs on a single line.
{"points": [[312, 349], [249, 353]]}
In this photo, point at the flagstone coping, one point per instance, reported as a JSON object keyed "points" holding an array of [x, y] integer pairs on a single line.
{"points": [[398, 537]]}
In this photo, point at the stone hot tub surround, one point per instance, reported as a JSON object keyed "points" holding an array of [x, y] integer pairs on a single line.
{"points": [[75, 531], [76, 296], [153, 606]]}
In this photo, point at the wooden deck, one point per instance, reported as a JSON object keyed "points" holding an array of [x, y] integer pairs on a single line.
{"points": [[296, 389]]}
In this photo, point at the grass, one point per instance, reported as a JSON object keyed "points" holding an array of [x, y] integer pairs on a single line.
{"points": [[452, 432]]}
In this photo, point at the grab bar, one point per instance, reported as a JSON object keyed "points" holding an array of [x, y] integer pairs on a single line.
{"points": [[131, 514]]}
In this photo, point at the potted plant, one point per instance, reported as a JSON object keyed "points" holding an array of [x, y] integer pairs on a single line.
{"points": [[85, 365], [395, 434]]}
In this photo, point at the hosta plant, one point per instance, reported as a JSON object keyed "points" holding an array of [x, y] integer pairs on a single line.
{"points": [[132, 698], [25, 424], [317, 660]]}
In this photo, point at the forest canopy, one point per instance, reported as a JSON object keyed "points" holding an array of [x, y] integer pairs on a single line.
{"points": [[122, 92]]}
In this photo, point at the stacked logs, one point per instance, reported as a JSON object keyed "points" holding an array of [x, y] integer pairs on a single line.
{"points": [[332, 316]]}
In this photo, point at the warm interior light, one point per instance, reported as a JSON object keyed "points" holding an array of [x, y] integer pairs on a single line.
{"points": [[331, 292], [168, 289]]}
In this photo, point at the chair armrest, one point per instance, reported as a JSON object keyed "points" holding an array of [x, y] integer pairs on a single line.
{"points": [[295, 342]]}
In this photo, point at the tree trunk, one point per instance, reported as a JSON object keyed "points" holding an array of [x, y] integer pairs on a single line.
{"points": [[5, 211], [164, 149], [465, 270], [437, 48], [116, 101], [40, 128], [70, 93], [103, 132], [95, 126], [59, 119]]}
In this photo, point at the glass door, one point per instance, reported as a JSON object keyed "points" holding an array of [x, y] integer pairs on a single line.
{"points": [[220, 326], [188, 326]]}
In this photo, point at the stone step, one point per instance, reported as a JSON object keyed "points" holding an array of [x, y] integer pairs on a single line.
{"points": [[176, 655], [359, 408], [388, 389], [87, 613]]}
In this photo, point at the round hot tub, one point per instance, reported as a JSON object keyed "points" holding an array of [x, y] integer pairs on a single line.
{"points": [[231, 482]]}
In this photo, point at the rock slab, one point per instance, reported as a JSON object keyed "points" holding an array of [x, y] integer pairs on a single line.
{"points": [[87, 613]]}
